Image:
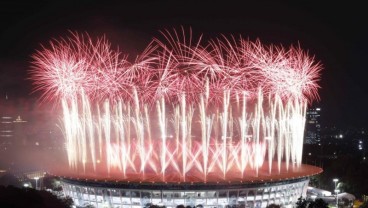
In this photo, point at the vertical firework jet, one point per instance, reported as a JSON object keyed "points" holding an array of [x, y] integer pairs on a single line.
{"points": [[182, 106]]}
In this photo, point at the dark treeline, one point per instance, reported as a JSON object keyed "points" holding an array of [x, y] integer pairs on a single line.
{"points": [[12, 197]]}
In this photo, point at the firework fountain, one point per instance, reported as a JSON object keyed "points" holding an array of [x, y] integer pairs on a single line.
{"points": [[183, 107]]}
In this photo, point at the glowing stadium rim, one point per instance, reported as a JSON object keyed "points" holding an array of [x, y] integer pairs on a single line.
{"points": [[227, 107]]}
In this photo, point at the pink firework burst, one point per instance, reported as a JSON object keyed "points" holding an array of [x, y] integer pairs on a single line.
{"points": [[176, 66], [183, 105]]}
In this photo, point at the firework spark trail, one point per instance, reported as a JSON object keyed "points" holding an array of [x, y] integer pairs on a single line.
{"points": [[206, 127], [224, 126], [226, 105], [243, 134], [162, 123]]}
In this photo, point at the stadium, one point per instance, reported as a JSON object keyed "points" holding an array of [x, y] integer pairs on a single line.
{"points": [[188, 123], [281, 189]]}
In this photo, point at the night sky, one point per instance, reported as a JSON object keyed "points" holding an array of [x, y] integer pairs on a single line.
{"points": [[335, 33]]}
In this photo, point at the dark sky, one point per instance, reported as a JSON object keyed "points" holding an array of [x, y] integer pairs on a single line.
{"points": [[335, 33]]}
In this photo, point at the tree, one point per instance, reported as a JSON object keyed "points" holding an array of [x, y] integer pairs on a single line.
{"points": [[53, 183], [318, 203], [156, 206], [68, 201], [273, 206], [25, 197], [301, 203], [315, 181]]}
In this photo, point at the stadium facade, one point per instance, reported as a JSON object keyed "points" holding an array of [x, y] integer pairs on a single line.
{"points": [[283, 189]]}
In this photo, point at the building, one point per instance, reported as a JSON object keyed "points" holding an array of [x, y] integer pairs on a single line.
{"points": [[20, 134], [6, 124], [313, 126], [247, 195], [253, 192]]}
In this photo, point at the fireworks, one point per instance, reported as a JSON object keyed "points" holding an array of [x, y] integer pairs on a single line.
{"points": [[182, 106]]}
